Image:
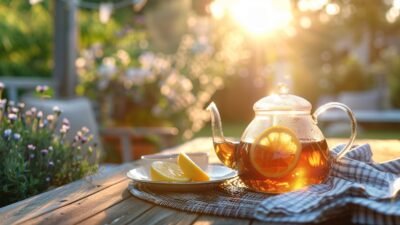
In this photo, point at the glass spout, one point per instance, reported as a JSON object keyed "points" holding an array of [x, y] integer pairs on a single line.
{"points": [[224, 149], [216, 125]]}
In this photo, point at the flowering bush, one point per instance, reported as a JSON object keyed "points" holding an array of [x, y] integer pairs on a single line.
{"points": [[35, 155], [155, 89]]}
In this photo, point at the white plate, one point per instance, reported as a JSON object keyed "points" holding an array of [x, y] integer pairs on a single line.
{"points": [[217, 173]]}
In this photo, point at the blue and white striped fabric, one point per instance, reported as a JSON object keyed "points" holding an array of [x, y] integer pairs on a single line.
{"points": [[364, 190]]}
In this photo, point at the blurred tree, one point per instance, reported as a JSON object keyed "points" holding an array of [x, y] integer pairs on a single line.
{"points": [[328, 34], [25, 39], [317, 40], [26, 35], [166, 23]]}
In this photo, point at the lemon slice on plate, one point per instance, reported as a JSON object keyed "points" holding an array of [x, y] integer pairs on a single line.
{"points": [[275, 152], [167, 171], [190, 169]]}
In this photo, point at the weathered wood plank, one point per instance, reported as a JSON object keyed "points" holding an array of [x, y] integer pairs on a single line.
{"points": [[86, 207], [121, 213], [217, 220], [161, 216], [59, 197]]}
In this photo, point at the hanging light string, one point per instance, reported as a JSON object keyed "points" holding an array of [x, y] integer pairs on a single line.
{"points": [[105, 8], [96, 6]]}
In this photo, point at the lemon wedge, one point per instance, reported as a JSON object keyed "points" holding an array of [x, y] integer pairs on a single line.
{"points": [[190, 169], [167, 171]]}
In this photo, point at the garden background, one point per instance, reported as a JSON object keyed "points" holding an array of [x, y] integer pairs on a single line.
{"points": [[330, 48]]}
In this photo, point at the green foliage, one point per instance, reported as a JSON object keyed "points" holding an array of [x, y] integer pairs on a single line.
{"points": [[26, 35], [351, 76], [320, 55], [390, 66], [25, 39], [35, 156], [394, 82]]}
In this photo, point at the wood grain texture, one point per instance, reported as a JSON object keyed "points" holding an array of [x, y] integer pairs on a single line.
{"points": [[162, 216], [61, 196], [218, 220], [86, 207], [120, 213]]}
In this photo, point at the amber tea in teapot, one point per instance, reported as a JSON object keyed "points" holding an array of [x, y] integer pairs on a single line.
{"points": [[312, 167], [282, 149]]}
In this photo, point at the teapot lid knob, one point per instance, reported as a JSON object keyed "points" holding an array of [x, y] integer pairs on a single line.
{"points": [[283, 89], [283, 102]]}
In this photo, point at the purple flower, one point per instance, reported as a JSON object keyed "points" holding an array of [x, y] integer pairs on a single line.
{"points": [[12, 117], [79, 134], [50, 118], [31, 147], [84, 139], [31, 155], [21, 105], [65, 122], [28, 113], [41, 89], [44, 152], [17, 136], [14, 110], [57, 110], [85, 130], [7, 133], [39, 115], [64, 129], [51, 164]]}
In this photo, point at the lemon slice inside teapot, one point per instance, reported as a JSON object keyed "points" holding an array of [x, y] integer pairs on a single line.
{"points": [[275, 152]]}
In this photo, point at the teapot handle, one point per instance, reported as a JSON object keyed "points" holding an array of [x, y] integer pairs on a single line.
{"points": [[353, 121]]}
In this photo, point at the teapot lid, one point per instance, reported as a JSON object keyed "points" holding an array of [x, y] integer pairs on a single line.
{"points": [[282, 102]]}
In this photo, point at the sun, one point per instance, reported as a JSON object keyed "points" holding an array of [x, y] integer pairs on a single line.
{"points": [[256, 16]]}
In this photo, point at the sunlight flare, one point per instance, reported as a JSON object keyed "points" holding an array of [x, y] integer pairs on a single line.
{"points": [[257, 16]]}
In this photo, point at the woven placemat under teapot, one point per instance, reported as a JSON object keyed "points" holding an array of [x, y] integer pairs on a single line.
{"points": [[231, 198]]}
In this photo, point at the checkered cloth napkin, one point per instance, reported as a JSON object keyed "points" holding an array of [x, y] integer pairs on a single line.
{"points": [[357, 185]]}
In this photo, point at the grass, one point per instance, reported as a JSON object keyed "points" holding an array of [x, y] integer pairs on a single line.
{"points": [[236, 130]]}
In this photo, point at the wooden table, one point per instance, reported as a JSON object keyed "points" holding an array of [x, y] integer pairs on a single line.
{"points": [[104, 198]]}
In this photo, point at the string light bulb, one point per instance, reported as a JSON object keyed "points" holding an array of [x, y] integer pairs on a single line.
{"points": [[105, 11]]}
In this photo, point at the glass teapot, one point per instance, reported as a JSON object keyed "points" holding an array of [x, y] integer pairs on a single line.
{"points": [[282, 149]]}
